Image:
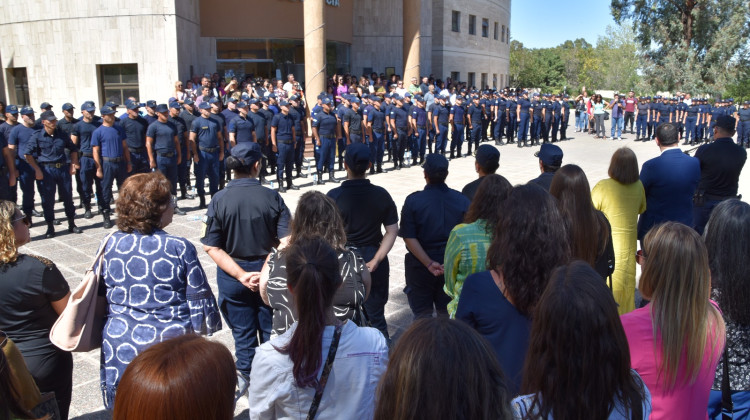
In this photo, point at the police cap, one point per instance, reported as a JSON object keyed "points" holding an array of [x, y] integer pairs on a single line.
{"points": [[88, 106], [45, 105], [27, 110], [67, 106], [12, 109], [151, 103], [204, 105], [161, 108], [48, 116], [248, 152], [106, 110]]}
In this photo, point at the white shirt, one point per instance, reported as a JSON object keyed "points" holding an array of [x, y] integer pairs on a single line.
{"points": [[288, 86], [361, 360]]}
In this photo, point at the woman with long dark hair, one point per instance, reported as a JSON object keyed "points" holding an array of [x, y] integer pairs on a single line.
{"points": [[578, 363], [675, 341], [590, 232], [530, 240], [727, 238], [466, 250], [288, 370], [422, 384]]}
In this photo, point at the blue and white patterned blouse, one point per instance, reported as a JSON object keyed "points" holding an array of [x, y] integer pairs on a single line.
{"points": [[156, 289]]}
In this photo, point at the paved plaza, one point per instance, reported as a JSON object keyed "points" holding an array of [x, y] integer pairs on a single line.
{"points": [[73, 253]]}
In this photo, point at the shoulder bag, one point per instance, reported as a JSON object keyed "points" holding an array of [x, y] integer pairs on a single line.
{"points": [[79, 326], [326, 371], [727, 405]]}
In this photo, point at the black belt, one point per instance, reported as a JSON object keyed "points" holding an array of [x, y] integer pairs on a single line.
{"points": [[165, 154], [378, 131], [526, 112], [87, 154], [250, 259], [442, 123], [208, 149], [137, 149], [327, 136], [113, 159], [285, 141], [401, 128], [57, 165]]}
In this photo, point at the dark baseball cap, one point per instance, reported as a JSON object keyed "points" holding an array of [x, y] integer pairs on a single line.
{"points": [[111, 104], [213, 100], [161, 108], [357, 157], [106, 110], [242, 104], [326, 101], [45, 105], [283, 103], [247, 151], [12, 109], [151, 103], [27, 110], [188, 101], [232, 99], [67, 106], [174, 104], [487, 155], [550, 154], [204, 105], [133, 105], [48, 116], [435, 163], [88, 106], [726, 122]]}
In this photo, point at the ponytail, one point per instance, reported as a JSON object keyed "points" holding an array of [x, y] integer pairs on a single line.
{"points": [[313, 274]]}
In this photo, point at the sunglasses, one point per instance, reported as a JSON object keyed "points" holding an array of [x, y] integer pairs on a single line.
{"points": [[26, 220]]}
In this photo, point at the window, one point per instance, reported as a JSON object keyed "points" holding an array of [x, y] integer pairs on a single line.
{"points": [[455, 76], [484, 81], [507, 36], [472, 79], [485, 28], [456, 21], [20, 86], [495, 31], [118, 82], [472, 25], [502, 35], [494, 80]]}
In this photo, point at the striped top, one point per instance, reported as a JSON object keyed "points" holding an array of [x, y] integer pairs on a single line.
{"points": [[465, 254]]}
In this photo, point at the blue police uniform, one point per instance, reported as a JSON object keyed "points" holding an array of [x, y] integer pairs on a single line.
{"points": [[523, 120], [654, 108], [341, 110], [716, 112], [641, 120], [49, 153], [4, 187], [458, 111], [401, 119], [548, 117], [565, 105], [207, 142], [501, 112], [261, 135], [442, 114], [556, 116], [220, 119], [183, 173], [83, 131], [246, 220], [298, 114], [691, 117], [366, 110], [135, 135], [743, 127], [19, 137], [419, 115], [512, 126], [242, 128], [267, 151], [164, 149], [429, 216], [284, 124], [113, 162], [474, 115], [484, 104], [376, 119], [354, 119], [537, 108]]}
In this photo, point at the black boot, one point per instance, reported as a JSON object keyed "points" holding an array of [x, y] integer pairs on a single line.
{"points": [[50, 230], [372, 170], [320, 178], [87, 214], [107, 222], [289, 184], [72, 228], [332, 178], [380, 169], [184, 194], [202, 199]]}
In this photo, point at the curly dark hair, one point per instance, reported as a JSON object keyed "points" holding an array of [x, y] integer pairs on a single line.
{"points": [[531, 239], [142, 200], [492, 191], [578, 363], [317, 216]]}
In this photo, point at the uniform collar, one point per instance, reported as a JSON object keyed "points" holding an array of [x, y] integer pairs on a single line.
{"points": [[243, 182], [355, 182]]}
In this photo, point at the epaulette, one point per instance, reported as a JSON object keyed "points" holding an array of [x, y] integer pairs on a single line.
{"points": [[44, 261]]}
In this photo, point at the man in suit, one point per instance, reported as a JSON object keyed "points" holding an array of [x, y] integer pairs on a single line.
{"points": [[669, 181]]}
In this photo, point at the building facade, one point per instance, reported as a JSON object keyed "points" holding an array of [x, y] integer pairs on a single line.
{"points": [[60, 51]]}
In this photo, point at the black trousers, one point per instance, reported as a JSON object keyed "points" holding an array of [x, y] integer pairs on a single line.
{"points": [[380, 279], [53, 372], [629, 119], [423, 290]]}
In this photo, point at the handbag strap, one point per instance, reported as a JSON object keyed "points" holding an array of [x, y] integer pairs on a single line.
{"points": [[727, 406], [326, 371], [96, 266]]}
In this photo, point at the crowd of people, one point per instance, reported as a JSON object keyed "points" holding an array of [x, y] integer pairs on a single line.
{"points": [[525, 296]]}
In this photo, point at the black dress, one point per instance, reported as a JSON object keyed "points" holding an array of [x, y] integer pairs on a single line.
{"points": [[27, 288]]}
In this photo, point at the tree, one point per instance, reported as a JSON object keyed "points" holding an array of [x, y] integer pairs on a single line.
{"points": [[694, 45]]}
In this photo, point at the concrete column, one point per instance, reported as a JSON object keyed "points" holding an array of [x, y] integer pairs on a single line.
{"points": [[315, 49], [412, 23]]}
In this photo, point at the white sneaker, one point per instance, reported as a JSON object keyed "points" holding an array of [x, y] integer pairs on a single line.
{"points": [[611, 138], [619, 138]]}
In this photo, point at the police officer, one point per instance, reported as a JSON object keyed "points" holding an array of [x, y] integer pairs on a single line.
{"points": [[81, 137], [457, 120], [112, 158], [522, 118], [689, 119], [400, 129], [325, 127], [207, 144], [376, 126], [163, 147], [18, 140], [243, 223], [219, 118], [475, 120], [365, 208], [427, 218], [743, 125], [188, 114], [556, 117], [681, 111], [7, 170], [298, 113], [352, 122], [549, 111], [500, 117], [151, 116], [242, 128], [268, 114], [421, 129], [283, 134], [537, 112], [565, 116], [45, 154], [702, 119], [642, 111], [183, 133], [387, 106], [135, 127], [653, 116], [512, 125], [441, 119]]}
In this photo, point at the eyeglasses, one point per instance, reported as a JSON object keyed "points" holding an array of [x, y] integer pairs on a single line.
{"points": [[26, 220]]}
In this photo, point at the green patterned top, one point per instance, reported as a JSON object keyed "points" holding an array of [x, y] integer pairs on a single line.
{"points": [[465, 254]]}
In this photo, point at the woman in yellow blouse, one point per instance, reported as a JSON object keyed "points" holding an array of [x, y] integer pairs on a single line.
{"points": [[466, 250], [622, 198]]}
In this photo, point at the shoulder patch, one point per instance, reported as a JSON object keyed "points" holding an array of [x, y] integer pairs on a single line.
{"points": [[43, 260]]}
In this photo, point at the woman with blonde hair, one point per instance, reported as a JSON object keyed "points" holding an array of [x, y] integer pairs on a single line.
{"points": [[622, 198], [179, 94], [677, 339]]}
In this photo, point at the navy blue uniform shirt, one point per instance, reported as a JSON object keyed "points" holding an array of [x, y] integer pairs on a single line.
{"points": [[525, 105], [135, 131], [260, 121], [83, 130], [283, 124], [325, 123], [400, 117], [459, 114], [475, 114], [206, 132], [377, 118], [110, 140], [420, 116], [354, 118], [47, 148], [20, 136], [442, 113], [242, 128], [163, 135]]}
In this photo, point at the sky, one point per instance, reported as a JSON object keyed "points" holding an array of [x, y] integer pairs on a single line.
{"points": [[548, 23]]}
